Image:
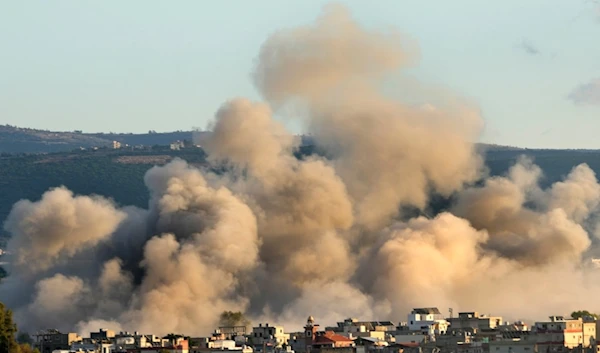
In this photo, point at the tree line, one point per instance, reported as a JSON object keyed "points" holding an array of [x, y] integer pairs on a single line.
{"points": [[9, 341]]}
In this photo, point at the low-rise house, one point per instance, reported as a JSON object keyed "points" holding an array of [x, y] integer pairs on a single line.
{"points": [[331, 339]]}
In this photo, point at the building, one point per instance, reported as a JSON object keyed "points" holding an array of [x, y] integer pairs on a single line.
{"points": [[321, 341], [410, 337], [473, 321], [52, 340], [330, 339], [427, 321], [222, 344], [102, 335], [269, 335], [297, 342], [177, 145], [353, 325], [230, 332], [310, 332], [423, 317], [472, 347], [116, 145], [560, 334], [243, 349], [181, 346], [516, 345], [84, 346]]}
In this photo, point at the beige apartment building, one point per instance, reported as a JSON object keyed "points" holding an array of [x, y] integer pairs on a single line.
{"points": [[560, 334]]}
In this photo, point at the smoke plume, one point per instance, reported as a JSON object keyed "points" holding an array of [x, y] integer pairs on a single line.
{"points": [[280, 237]]}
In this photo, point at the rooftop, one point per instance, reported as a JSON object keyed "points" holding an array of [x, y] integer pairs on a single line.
{"points": [[435, 311]]}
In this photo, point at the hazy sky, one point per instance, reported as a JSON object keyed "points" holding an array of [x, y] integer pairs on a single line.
{"points": [[533, 66]]}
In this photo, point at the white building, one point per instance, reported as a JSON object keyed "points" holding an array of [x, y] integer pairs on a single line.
{"points": [[222, 344], [270, 335], [177, 145], [428, 321]]}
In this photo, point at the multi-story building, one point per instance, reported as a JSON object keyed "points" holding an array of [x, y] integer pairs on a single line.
{"points": [[427, 321], [473, 321], [52, 340], [271, 335], [423, 317], [560, 334]]}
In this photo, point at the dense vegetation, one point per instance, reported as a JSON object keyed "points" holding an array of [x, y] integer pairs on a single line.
{"points": [[583, 314], [233, 318], [104, 172], [23, 140], [8, 331]]}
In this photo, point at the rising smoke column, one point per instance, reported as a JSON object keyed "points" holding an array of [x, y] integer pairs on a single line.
{"points": [[302, 206], [386, 152], [281, 238]]}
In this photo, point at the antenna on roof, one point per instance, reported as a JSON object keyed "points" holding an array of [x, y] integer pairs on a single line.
{"points": [[451, 312]]}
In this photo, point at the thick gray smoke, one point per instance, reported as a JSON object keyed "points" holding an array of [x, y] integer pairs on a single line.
{"points": [[281, 238]]}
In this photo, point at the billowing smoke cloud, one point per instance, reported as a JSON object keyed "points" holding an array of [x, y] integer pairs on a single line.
{"points": [[335, 69], [281, 238], [58, 226]]}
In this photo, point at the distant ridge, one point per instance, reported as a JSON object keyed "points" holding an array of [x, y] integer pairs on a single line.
{"points": [[15, 139], [25, 140], [494, 147]]}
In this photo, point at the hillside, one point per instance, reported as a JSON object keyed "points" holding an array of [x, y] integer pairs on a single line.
{"points": [[118, 174], [23, 140]]}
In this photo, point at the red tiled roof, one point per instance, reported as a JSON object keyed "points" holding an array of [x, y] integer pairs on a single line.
{"points": [[331, 337]]}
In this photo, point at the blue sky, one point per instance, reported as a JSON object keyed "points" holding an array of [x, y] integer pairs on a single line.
{"points": [[533, 66]]}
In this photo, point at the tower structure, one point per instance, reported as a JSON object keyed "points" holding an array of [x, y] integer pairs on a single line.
{"points": [[310, 331]]}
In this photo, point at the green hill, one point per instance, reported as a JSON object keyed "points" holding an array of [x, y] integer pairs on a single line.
{"points": [[23, 140], [118, 174]]}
